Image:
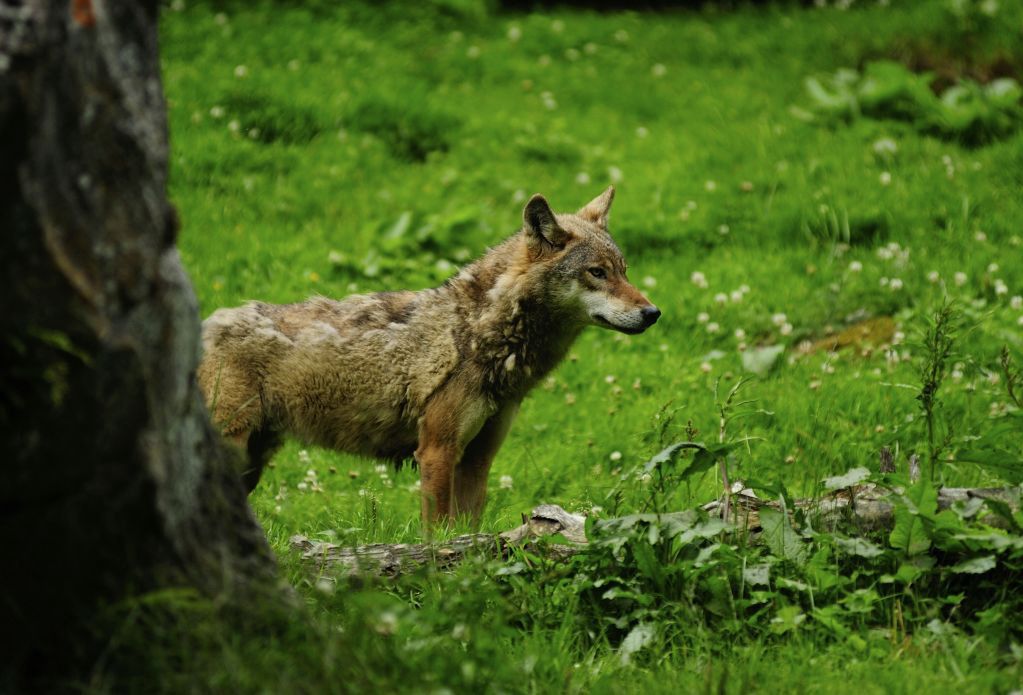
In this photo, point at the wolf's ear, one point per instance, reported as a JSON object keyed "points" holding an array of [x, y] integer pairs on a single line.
{"points": [[598, 209], [541, 224]]}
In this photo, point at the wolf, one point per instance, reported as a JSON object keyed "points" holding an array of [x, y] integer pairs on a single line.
{"points": [[436, 374]]}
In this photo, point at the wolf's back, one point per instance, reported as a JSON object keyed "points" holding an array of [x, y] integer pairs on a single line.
{"points": [[353, 374]]}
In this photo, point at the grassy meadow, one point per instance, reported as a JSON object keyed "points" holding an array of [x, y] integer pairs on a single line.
{"points": [[322, 148]]}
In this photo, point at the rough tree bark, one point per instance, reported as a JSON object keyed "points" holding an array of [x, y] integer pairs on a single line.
{"points": [[113, 479]]}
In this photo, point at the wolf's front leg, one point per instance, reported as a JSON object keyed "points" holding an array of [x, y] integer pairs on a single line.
{"points": [[470, 485], [453, 418], [436, 469]]}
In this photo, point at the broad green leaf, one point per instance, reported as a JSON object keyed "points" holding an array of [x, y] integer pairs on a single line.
{"points": [[976, 565], [706, 555], [860, 547], [968, 508], [638, 637], [860, 601], [830, 616], [757, 575], [913, 568], [780, 537], [853, 476], [669, 454], [787, 583], [516, 568], [648, 564], [916, 507], [706, 529], [707, 456], [787, 619], [1004, 511]]}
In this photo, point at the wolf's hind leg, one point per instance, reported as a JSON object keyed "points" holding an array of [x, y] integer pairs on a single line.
{"points": [[471, 473]]}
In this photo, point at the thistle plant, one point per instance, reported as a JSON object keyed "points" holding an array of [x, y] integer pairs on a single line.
{"points": [[939, 342]]}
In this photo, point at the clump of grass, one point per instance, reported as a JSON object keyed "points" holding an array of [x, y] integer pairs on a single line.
{"points": [[266, 119], [409, 127]]}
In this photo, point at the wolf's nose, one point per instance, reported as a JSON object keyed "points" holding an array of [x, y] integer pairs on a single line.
{"points": [[650, 314]]}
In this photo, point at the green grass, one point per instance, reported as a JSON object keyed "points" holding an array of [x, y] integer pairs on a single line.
{"points": [[323, 150]]}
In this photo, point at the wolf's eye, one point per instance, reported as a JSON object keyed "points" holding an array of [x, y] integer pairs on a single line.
{"points": [[598, 273]]}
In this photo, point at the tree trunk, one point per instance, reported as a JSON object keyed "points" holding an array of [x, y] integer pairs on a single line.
{"points": [[113, 480]]}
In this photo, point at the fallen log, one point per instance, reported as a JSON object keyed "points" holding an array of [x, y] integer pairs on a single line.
{"points": [[865, 507], [390, 560]]}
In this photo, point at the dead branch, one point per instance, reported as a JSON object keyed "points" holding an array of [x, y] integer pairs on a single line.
{"points": [[864, 507], [389, 560]]}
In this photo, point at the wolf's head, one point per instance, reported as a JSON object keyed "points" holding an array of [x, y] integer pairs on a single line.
{"points": [[584, 269]]}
